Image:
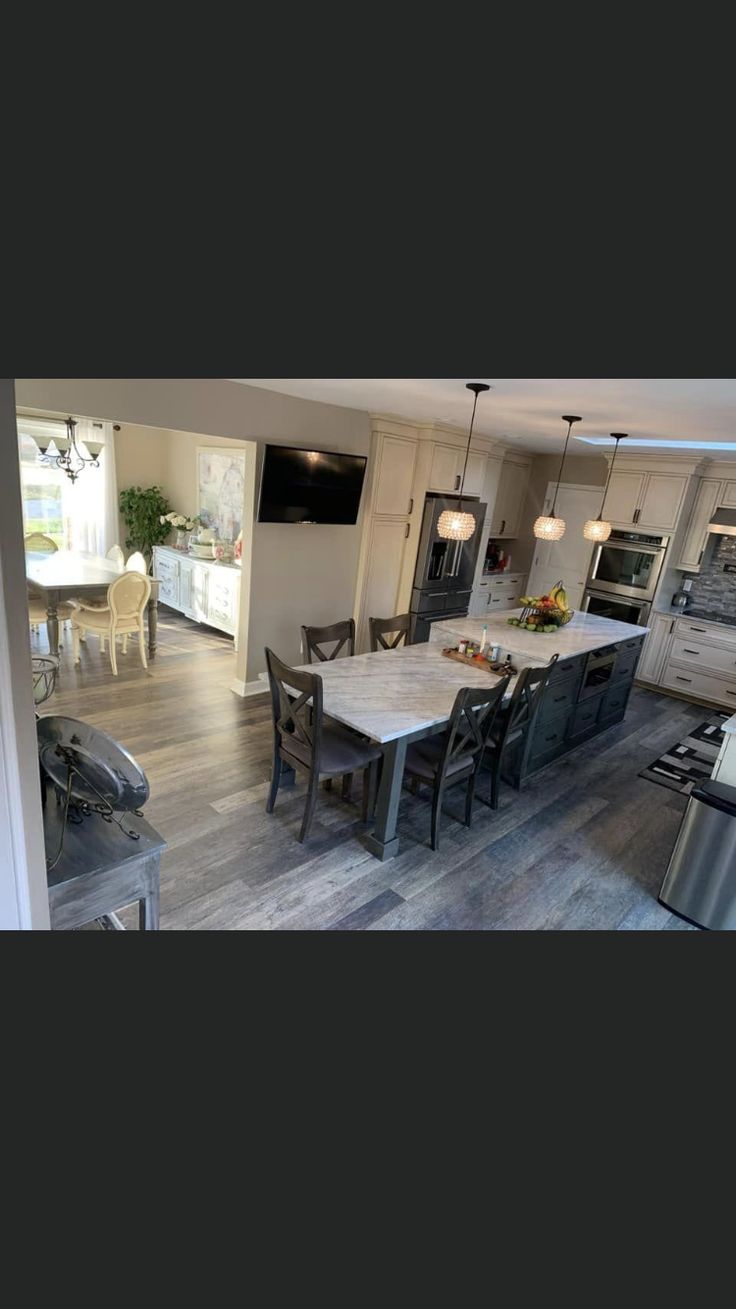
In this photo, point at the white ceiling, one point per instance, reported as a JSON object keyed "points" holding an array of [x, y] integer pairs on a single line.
{"points": [[526, 411]]}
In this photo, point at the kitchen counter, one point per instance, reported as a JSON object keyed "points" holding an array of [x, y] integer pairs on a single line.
{"points": [[697, 611], [585, 632]]}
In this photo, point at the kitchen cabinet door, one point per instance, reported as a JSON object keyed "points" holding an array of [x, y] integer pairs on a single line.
{"points": [[396, 460], [491, 482], [728, 495], [193, 592], [624, 493], [662, 500], [512, 487], [386, 549], [474, 474], [706, 502], [655, 650], [447, 467], [222, 599]]}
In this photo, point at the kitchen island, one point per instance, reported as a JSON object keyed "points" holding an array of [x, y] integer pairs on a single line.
{"points": [[588, 689]]}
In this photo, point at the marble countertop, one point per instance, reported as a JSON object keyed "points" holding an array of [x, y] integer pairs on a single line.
{"points": [[584, 633], [395, 693], [697, 611]]}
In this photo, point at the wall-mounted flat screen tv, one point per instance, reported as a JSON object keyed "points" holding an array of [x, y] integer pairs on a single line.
{"points": [[310, 486]]}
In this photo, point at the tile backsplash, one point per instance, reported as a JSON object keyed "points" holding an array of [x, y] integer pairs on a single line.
{"points": [[713, 589]]}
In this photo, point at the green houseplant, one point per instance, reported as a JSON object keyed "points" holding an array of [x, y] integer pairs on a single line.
{"points": [[143, 510]]}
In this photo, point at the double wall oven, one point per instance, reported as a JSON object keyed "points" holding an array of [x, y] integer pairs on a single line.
{"points": [[624, 575]]}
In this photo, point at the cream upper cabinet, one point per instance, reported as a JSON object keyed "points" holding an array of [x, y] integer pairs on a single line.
{"points": [[728, 495], [662, 500], [475, 473], [646, 500], [447, 467], [624, 493], [706, 502], [396, 461], [506, 517], [491, 481]]}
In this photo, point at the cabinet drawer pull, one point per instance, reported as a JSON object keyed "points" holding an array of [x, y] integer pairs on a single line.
{"points": [[704, 630], [503, 526], [730, 692], [406, 533], [686, 651], [683, 679], [553, 737], [411, 506], [559, 698], [457, 482]]}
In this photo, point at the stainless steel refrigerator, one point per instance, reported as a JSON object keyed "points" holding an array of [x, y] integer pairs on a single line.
{"points": [[443, 579]]}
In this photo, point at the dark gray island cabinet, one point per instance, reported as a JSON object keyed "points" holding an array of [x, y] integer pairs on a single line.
{"points": [[586, 695], [588, 689]]}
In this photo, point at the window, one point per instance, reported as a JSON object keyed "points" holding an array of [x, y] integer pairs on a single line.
{"points": [[44, 508]]}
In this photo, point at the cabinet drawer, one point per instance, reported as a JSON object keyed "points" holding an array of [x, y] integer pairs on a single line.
{"points": [[707, 658], [585, 717], [613, 705], [701, 685], [569, 671], [549, 738], [556, 700], [688, 627], [625, 665]]}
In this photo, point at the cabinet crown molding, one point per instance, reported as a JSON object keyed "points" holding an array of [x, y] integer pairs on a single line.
{"points": [[646, 463], [393, 425]]}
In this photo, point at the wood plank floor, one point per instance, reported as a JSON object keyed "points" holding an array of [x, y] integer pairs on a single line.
{"points": [[584, 847]]}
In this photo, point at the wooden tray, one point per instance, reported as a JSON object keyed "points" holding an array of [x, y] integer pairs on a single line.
{"points": [[472, 662]]}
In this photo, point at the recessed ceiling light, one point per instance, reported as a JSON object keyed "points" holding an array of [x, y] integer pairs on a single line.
{"points": [[656, 442]]}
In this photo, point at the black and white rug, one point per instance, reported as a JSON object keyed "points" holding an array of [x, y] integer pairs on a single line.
{"points": [[691, 760]]}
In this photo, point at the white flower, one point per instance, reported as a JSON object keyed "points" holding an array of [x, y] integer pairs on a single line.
{"points": [[161, 518]]}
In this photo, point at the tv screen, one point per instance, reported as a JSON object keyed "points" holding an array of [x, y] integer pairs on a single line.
{"points": [[310, 486]]}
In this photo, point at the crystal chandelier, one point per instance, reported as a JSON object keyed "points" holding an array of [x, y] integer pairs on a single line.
{"points": [[548, 527], [68, 455], [598, 529], [456, 524]]}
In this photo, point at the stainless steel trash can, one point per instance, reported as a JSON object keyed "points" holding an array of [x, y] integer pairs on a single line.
{"points": [[700, 882]]}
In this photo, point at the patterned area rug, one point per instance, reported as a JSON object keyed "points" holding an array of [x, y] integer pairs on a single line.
{"points": [[691, 760]]}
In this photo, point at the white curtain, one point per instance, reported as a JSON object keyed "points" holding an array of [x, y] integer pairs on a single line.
{"points": [[92, 501]]}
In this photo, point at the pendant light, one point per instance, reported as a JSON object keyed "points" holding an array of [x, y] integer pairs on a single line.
{"points": [[455, 524], [550, 528], [598, 529]]}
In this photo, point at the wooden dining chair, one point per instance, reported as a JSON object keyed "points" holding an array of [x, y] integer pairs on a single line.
{"points": [[127, 598], [380, 628], [314, 638], [305, 742], [514, 724], [455, 755]]}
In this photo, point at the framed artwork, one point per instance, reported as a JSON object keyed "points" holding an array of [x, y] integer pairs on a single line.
{"points": [[221, 490]]}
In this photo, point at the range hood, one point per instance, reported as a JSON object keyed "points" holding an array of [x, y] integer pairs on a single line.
{"points": [[724, 522]]}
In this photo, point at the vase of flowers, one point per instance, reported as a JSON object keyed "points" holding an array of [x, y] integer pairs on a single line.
{"points": [[183, 525]]}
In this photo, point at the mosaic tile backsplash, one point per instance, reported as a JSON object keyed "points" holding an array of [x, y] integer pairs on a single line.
{"points": [[713, 592]]}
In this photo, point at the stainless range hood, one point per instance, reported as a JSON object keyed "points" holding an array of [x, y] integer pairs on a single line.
{"points": [[724, 522]]}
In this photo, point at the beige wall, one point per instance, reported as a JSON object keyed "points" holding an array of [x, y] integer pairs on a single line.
{"points": [[300, 574], [580, 470]]}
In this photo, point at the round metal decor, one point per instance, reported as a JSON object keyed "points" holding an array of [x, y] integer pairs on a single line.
{"points": [[102, 767]]}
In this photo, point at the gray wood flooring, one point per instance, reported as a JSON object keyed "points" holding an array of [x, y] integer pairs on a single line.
{"points": [[584, 847]]}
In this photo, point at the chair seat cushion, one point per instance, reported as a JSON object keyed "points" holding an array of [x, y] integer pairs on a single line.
{"points": [[92, 604], [342, 751], [424, 759], [100, 621]]}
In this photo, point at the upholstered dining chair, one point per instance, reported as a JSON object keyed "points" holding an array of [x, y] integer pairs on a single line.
{"points": [[127, 598], [137, 564], [381, 628], [305, 742], [314, 638], [455, 755], [515, 722], [38, 543], [116, 556]]}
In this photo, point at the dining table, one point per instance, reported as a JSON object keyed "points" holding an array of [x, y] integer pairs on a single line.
{"points": [[395, 697], [74, 574]]}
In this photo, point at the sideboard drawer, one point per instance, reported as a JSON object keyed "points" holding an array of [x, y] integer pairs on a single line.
{"points": [[701, 685], [166, 572]]}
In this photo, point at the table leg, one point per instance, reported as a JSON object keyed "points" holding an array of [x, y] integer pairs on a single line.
{"points": [[148, 912], [383, 841], [288, 775], [152, 615], [52, 624]]}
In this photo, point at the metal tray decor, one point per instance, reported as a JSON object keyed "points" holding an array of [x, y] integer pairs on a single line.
{"points": [[91, 772]]}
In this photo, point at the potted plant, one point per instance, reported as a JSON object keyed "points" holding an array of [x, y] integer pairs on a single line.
{"points": [[144, 511]]}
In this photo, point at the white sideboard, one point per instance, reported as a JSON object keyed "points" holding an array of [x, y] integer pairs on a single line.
{"points": [[203, 589]]}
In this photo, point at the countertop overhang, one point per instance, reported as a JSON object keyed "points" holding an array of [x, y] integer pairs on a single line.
{"points": [[585, 632]]}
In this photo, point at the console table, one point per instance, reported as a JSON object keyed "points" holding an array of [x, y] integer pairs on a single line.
{"points": [[203, 589], [101, 869]]}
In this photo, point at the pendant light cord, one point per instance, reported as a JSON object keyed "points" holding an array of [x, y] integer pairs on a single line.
{"points": [[617, 439], [467, 453], [559, 475]]}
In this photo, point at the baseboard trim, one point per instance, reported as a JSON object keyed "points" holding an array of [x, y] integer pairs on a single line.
{"points": [[244, 689]]}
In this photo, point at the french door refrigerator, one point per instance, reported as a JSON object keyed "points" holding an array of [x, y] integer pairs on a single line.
{"points": [[443, 578]]}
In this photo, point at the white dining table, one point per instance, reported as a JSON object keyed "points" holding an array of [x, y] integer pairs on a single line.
{"points": [[66, 574], [395, 697]]}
